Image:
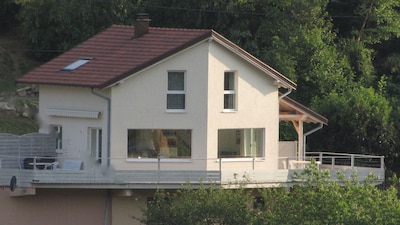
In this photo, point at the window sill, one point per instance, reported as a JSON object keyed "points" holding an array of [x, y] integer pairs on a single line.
{"points": [[229, 111], [176, 111], [152, 160], [244, 159]]}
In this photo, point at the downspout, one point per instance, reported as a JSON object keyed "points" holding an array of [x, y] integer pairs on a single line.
{"points": [[107, 207], [286, 94], [108, 123], [305, 137]]}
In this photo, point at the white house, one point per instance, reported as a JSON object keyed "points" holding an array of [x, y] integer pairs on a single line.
{"points": [[134, 109]]}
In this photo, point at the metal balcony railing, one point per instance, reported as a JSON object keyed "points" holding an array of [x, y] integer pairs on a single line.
{"points": [[53, 171], [344, 160]]}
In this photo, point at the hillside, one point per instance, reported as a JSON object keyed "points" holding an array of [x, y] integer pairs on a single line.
{"points": [[13, 64], [13, 61]]}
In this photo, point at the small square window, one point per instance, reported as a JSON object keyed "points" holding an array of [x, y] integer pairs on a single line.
{"points": [[175, 101]]}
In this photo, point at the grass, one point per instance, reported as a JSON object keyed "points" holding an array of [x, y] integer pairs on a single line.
{"points": [[18, 126]]}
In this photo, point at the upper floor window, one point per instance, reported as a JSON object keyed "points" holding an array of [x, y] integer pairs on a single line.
{"points": [[176, 91], [229, 91]]}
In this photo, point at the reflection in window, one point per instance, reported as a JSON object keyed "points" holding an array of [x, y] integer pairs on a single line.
{"points": [[151, 143], [240, 143]]}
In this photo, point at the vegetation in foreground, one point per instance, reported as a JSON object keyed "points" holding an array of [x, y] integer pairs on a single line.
{"points": [[314, 200]]}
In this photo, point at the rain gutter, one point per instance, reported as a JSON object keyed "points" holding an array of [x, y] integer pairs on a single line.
{"points": [[108, 123], [305, 137]]}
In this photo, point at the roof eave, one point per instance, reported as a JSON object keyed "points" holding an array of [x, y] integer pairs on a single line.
{"points": [[156, 60], [59, 84], [280, 78], [305, 110]]}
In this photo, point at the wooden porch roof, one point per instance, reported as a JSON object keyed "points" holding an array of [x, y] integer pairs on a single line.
{"points": [[290, 110]]}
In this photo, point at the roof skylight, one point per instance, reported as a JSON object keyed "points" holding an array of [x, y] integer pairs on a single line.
{"points": [[78, 63]]}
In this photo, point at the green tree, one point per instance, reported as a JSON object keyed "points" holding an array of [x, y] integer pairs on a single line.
{"points": [[316, 199], [359, 122], [369, 21], [360, 60], [204, 206], [52, 27], [298, 41], [8, 10], [236, 20]]}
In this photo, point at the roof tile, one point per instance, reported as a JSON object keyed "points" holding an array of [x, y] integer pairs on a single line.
{"points": [[115, 54]]}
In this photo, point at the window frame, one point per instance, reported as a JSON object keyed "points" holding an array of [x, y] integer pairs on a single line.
{"points": [[58, 130], [77, 63], [241, 141], [96, 151], [230, 92], [176, 92], [151, 144]]}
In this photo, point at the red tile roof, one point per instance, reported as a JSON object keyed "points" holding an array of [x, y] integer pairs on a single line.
{"points": [[116, 55]]}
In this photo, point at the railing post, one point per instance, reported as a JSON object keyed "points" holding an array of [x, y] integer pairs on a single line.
{"points": [[382, 162], [158, 168], [287, 163], [254, 161], [220, 169], [333, 162], [34, 163], [352, 161], [320, 157], [220, 164]]}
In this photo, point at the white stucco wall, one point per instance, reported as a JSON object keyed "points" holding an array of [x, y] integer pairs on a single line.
{"points": [[75, 138], [257, 103], [139, 102]]}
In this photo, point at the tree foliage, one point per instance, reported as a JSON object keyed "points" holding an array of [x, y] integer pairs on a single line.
{"points": [[360, 122], [205, 206], [52, 27], [8, 8], [318, 200], [369, 21], [315, 199]]}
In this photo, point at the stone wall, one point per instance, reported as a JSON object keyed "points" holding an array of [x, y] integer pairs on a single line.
{"points": [[23, 103]]}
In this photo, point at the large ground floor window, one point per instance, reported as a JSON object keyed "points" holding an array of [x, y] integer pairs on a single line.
{"points": [[240, 142], [151, 143]]}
